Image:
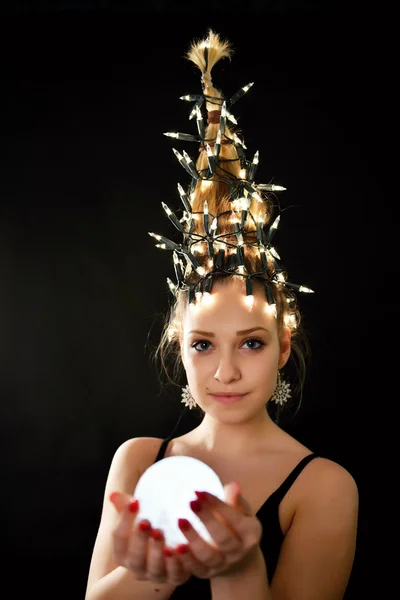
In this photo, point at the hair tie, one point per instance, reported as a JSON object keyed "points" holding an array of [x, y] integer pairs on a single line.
{"points": [[213, 117]]}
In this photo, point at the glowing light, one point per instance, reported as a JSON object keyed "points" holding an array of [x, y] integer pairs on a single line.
{"points": [[205, 184], [249, 300], [177, 154], [205, 208], [214, 224], [199, 248], [271, 308], [155, 235], [290, 321], [276, 222], [178, 477], [198, 296], [280, 277], [207, 298], [234, 218], [238, 140], [271, 187], [242, 173], [187, 158], [306, 290], [200, 270], [274, 253], [172, 134], [167, 210], [172, 287], [231, 117], [247, 87]]}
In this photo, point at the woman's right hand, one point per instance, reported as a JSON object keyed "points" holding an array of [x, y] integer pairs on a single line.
{"points": [[142, 549]]}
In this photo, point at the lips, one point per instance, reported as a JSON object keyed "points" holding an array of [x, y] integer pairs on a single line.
{"points": [[227, 397], [226, 394]]}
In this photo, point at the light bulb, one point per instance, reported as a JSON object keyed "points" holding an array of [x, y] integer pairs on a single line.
{"points": [[165, 490]]}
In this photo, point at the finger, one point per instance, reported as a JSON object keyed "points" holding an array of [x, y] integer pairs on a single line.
{"points": [[122, 532], [190, 563], [137, 551], [204, 553], [176, 572], [227, 541], [247, 528], [156, 568], [119, 500]]}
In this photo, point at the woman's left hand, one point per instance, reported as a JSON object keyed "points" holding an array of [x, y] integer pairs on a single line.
{"points": [[235, 530]]}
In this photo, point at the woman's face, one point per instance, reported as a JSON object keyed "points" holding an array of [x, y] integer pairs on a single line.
{"points": [[228, 347]]}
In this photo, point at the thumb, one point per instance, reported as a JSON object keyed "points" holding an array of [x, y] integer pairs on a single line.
{"points": [[234, 498], [120, 500]]}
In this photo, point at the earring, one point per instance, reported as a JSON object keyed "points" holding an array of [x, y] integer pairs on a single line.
{"points": [[282, 391], [187, 397]]}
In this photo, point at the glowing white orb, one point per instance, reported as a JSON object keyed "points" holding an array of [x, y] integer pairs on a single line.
{"points": [[165, 490]]}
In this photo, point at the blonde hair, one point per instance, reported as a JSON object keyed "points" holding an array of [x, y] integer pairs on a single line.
{"points": [[218, 191]]}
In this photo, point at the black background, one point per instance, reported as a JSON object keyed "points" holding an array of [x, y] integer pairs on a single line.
{"points": [[87, 91]]}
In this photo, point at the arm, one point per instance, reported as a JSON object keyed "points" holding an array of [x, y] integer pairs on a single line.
{"points": [[317, 554], [249, 582], [107, 580]]}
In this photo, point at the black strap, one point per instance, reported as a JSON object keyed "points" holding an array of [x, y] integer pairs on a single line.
{"points": [[282, 489]]}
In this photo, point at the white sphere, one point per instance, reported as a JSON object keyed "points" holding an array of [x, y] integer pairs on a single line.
{"points": [[165, 490]]}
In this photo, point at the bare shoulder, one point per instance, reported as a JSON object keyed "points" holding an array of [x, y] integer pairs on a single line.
{"points": [[325, 480], [130, 459], [322, 477]]}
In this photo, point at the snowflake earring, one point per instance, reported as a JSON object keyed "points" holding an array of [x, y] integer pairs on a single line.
{"points": [[187, 398], [282, 391]]}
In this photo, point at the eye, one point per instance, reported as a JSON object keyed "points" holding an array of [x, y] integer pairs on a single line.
{"points": [[201, 346], [255, 344]]}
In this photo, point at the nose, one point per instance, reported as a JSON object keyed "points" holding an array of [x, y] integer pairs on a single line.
{"points": [[227, 369]]}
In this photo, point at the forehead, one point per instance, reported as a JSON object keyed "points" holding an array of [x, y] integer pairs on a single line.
{"points": [[226, 308]]}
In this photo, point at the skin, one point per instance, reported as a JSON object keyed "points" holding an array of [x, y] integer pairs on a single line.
{"points": [[318, 550], [224, 361], [228, 362]]}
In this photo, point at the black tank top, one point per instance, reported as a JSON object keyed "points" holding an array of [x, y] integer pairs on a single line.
{"points": [[271, 539]]}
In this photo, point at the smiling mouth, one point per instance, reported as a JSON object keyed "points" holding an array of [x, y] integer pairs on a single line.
{"points": [[227, 398]]}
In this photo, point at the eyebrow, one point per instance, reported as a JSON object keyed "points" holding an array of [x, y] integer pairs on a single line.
{"points": [[241, 332]]}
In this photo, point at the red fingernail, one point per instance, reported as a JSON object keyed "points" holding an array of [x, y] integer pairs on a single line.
{"points": [[133, 506], [168, 552], [184, 524], [144, 526], [157, 535], [182, 548], [195, 505], [202, 496]]}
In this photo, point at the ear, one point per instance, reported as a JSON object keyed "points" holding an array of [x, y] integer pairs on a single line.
{"points": [[285, 347]]}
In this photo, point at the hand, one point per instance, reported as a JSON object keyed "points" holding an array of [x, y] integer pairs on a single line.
{"points": [[137, 549], [233, 527]]}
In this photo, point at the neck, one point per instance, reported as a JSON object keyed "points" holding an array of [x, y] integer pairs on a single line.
{"points": [[235, 439]]}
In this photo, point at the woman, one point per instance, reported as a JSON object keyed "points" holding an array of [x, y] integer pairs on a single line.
{"points": [[288, 526]]}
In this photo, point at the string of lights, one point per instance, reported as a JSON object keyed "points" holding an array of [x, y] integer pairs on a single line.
{"points": [[222, 252]]}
